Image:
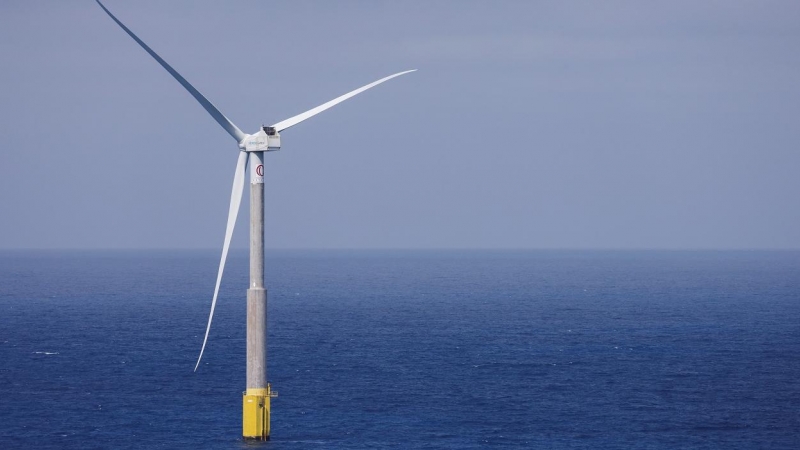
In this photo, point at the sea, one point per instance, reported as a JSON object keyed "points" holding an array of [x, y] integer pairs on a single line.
{"points": [[427, 349]]}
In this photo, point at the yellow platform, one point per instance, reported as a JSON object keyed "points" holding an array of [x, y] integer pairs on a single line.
{"points": [[255, 413]]}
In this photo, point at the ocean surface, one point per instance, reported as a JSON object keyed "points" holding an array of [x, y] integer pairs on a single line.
{"points": [[405, 349]]}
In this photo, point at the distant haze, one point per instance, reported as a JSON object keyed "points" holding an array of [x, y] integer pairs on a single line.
{"points": [[528, 125]]}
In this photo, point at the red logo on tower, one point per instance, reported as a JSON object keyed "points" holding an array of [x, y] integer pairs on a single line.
{"points": [[260, 170]]}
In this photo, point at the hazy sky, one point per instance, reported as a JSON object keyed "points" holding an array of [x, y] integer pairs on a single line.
{"points": [[528, 125]]}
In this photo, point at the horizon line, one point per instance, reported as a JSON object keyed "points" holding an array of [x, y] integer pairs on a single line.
{"points": [[506, 249]]}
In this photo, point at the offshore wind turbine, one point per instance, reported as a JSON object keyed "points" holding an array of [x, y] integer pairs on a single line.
{"points": [[256, 398]]}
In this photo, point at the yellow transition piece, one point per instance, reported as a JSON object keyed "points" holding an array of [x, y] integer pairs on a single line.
{"points": [[255, 413]]}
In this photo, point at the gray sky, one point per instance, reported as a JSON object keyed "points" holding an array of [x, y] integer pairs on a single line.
{"points": [[529, 124]]}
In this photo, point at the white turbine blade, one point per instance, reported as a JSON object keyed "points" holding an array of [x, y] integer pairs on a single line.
{"points": [[280, 126], [232, 129], [236, 199]]}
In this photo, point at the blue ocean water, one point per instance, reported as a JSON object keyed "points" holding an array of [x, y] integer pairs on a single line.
{"points": [[405, 349]]}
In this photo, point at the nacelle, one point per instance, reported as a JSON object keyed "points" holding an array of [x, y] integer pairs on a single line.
{"points": [[266, 140]]}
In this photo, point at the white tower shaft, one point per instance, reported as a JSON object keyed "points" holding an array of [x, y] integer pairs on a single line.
{"points": [[256, 293], [256, 400]]}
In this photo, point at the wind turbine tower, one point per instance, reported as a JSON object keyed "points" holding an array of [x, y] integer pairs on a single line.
{"points": [[256, 398]]}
